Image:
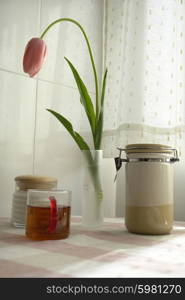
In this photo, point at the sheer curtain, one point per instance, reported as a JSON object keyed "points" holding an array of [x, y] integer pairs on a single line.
{"points": [[145, 101]]}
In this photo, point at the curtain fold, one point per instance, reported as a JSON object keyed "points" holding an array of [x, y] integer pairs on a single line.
{"points": [[144, 53]]}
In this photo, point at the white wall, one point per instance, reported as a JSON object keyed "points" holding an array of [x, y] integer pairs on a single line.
{"points": [[31, 140]]}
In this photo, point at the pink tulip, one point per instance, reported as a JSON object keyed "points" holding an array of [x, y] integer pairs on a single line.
{"points": [[34, 55]]}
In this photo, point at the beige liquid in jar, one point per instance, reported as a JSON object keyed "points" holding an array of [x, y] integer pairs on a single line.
{"points": [[157, 219]]}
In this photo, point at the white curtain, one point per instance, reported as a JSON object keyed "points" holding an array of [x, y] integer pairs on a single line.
{"points": [[144, 47], [145, 56]]}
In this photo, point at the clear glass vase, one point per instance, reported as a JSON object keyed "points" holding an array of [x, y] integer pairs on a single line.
{"points": [[92, 193]]}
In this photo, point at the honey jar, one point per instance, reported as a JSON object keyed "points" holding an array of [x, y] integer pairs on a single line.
{"points": [[48, 214], [22, 184]]}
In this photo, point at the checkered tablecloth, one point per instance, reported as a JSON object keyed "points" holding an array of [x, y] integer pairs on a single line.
{"points": [[108, 252]]}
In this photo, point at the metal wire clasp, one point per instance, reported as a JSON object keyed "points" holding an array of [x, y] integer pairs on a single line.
{"points": [[118, 162]]}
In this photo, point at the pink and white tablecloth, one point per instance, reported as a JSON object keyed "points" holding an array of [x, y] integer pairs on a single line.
{"points": [[108, 252]]}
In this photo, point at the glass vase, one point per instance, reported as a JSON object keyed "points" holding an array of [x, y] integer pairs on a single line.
{"points": [[92, 193]]}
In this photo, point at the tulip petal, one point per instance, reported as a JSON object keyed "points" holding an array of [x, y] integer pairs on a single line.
{"points": [[34, 55]]}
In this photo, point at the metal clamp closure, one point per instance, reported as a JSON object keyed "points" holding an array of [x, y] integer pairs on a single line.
{"points": [[119, 160], [151, 159], [162, 150]]}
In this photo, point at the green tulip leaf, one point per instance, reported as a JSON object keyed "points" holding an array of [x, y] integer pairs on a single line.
{"points": [[76, 136], [85, 99], [99, 125], [103, 89]]}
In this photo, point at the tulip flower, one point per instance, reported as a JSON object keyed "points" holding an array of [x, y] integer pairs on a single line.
{"points": [[33, 60], [34, 55]]}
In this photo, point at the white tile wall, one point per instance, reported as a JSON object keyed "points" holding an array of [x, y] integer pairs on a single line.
{"points": [[17, 110], [66, 39], [31, 140], [55, 151], [19, 20]]}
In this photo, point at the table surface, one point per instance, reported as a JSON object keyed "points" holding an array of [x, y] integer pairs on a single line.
{"points": [[108, 252]]}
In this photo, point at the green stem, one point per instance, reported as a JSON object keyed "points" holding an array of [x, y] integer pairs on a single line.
{"points": [[93, 166], [90, 53]]}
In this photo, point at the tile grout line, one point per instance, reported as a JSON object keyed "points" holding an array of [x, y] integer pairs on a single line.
{"points": [[35, 128], [41, 80], [36, 98]]}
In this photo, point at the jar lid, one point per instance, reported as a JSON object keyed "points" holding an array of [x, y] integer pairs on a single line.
{"points": [[25, 182], [149, 148]]}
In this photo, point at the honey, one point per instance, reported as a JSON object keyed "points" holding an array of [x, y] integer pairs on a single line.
{"points": [[41, 225]]}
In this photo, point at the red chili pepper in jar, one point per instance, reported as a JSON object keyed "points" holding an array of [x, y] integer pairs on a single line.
{"points": [[53, 215]]}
